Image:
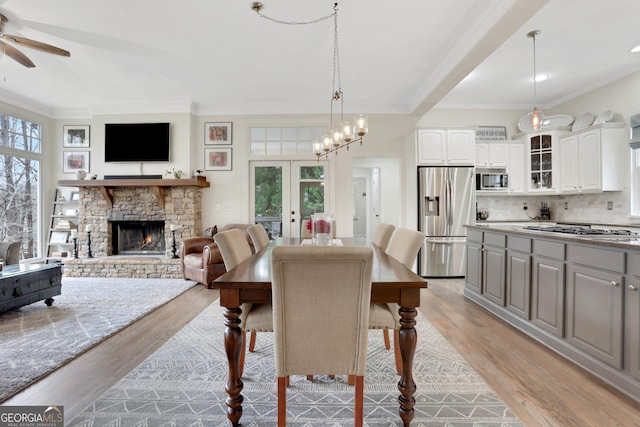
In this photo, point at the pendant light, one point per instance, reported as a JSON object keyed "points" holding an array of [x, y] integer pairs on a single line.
{"points": [[535, 117]]}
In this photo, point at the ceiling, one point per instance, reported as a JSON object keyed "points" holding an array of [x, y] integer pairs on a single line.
{"points": [[220, 57]]}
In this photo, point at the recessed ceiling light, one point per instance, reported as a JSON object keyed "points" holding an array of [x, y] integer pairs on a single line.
{"points": [[542, 77], [636, 49]]}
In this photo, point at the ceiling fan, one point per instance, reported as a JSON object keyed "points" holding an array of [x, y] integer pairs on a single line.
{"points": [[18, 56]]}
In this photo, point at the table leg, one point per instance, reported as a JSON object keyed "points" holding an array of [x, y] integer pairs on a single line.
{"points": [[408, 338], [233, 347]]}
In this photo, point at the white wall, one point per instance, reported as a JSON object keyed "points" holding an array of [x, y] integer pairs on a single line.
{"points": [[384, 147]]}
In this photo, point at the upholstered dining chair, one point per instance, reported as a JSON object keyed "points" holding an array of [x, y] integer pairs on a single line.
{"points": [[235, 249], [403, 246], [382, 235], [259, 236], [321, 299]]}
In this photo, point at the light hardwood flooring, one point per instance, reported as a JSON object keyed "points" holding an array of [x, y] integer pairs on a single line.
{"points": [[542, 388]]}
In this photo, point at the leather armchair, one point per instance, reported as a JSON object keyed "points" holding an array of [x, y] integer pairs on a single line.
{"points": [[201, 259]]}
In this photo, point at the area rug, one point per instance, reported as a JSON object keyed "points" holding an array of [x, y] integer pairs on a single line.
{"points": [[36, 339], [182, 384]]}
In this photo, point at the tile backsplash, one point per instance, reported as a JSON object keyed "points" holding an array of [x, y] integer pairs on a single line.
{"points": [[579, 207]]}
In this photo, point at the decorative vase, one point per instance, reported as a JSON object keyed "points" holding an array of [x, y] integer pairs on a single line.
{"points": [[80, 174], [322, 229]]}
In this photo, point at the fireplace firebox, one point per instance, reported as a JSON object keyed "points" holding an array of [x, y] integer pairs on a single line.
{"points": [[137, 237]]}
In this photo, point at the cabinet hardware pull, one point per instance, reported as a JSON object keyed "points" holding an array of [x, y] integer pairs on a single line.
{"points": [[614, 283], [633, 288]]}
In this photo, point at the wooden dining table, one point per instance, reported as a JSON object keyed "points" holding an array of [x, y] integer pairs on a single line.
{"points": [[250, 282]]}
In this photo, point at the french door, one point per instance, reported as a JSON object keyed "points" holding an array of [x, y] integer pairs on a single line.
{"points": [[283, 193]]}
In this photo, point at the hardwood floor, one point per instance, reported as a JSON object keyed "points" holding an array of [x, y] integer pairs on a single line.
{"points": [[542, 388]]}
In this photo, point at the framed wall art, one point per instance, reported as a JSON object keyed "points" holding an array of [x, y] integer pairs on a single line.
{"points": [[74, 161], [75, 195], [217, 159], [75, 136], [491, 133], [218, 133], [58, 237]]}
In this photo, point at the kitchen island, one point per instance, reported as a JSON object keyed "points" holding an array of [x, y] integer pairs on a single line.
{"points": [[576, 293]]}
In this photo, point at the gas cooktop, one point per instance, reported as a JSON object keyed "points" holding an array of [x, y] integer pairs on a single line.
{"points": [[580, 230]]}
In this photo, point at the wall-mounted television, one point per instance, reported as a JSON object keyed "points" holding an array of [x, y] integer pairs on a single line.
{"points": [[136, 142]]}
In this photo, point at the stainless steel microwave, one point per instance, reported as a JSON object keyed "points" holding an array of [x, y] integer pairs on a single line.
{"points": [[492, 181]]}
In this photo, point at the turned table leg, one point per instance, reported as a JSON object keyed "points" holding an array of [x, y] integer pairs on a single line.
{"points": [[233, 347], [408, 338]]}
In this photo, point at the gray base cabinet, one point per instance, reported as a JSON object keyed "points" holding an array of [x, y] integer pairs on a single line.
{"points": [[580, 298], [547, 299], [595, 314], [632, 318]]}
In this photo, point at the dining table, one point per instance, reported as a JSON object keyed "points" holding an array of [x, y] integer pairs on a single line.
{"points": [[250, 282]]}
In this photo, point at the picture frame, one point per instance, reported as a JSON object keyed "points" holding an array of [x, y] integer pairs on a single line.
{"points": [[491, 133], [217, 159], [74, 161], [75, 136], [218, 133], [59, 237], [75, 196]]}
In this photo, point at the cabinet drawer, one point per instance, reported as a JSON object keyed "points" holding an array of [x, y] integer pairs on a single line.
{"points": [[474, 235], [598, 258], [549, 249], [495, 239], [521, 244], [634, 264]]}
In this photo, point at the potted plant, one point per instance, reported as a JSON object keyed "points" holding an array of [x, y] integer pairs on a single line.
{"points": [[177, 174]]}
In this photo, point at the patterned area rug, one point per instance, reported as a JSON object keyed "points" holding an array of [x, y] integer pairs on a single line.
{"points": [[182, 384], [36, 339]]}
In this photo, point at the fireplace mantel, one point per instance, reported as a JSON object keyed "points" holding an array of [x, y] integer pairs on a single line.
{"points": [[106, 186]]}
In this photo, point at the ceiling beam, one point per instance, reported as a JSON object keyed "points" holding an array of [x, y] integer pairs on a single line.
{"points": [[510, 22]]}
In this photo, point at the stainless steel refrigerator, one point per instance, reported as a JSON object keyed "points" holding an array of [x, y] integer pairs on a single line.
{"points": [[446, 203]]}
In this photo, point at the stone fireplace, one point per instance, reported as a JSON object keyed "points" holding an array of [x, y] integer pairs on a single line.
{"points": [[131, 222]]}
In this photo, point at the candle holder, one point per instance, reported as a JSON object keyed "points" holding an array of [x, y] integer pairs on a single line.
{"points": [[75, 248], [173, 245], [90, 255]]}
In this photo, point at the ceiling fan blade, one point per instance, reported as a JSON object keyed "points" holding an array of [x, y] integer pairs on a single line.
{"points": [[15, 54], [37, 45]]}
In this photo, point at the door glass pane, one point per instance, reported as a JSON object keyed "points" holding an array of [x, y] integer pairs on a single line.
{"points": [[311, 191], [268, 198]]}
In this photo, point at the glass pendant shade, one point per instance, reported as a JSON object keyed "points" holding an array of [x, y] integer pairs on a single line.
{"points": [[361, 125], [336, 137], [347, 131], [326, 143], [535, 118], [317, 147]]}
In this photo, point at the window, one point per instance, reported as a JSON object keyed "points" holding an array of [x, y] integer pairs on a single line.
{"points": [[284, 140], [20, 157]]}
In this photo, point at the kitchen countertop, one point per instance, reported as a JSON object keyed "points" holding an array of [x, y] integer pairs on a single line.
{"points": [[623, 242]]}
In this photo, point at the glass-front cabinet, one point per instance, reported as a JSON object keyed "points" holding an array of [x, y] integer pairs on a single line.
{"points": [[543, 162]]}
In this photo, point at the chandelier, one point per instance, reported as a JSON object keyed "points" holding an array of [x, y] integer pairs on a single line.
{"points": [[535, 116], [342, 133]]}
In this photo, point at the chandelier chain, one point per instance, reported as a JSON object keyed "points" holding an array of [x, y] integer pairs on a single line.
{"points": [[278, 21]]}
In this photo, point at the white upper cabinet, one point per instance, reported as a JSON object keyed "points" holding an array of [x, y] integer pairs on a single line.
{"points": [[592, 159], [445, 147], [515, 167], [492, 154]]}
